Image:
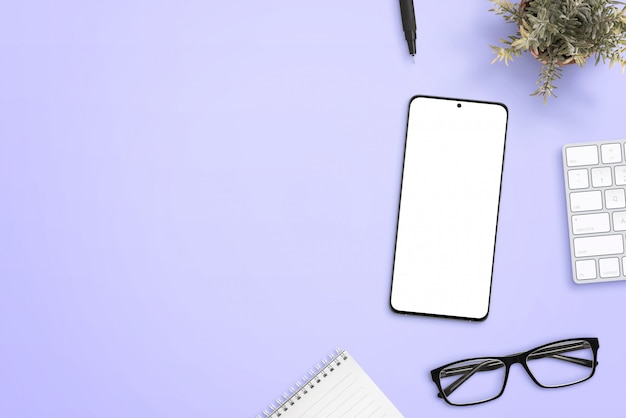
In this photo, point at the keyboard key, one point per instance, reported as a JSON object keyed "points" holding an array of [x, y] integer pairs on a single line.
{"points": [[582, 201], [586, 270], [601, 177], [620, 175], [614, 199], [590, 224], [578, 179], [584, 155], [602, 245], [619, 221], [609, 267], [611, 153]]}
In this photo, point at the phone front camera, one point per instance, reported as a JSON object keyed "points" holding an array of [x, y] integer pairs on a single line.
{"points": [[458, 105]]}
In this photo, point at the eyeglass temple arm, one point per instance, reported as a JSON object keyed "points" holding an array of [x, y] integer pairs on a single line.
{"points": [[468, 371], [555, 352]]}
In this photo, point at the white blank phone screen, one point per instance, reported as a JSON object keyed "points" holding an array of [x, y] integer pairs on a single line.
{"points": [[448, 211]]}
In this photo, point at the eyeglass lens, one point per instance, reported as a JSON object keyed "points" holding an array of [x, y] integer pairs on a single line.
{"points": [[473, 381], [562, 363]]}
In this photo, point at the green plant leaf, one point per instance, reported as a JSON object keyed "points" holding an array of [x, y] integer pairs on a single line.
{"points": [[561, 32]]}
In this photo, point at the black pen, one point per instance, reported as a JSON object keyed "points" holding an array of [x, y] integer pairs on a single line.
{"points": [[408, 24]]}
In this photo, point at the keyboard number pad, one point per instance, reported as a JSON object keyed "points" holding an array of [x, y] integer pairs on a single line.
{"points": [[595, 187]]}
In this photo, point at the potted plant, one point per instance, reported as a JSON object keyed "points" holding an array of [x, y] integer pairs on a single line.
{"points": [[561, 32]]}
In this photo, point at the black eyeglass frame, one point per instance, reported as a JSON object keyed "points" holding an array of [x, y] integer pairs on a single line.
{"points": [[508, 361]]}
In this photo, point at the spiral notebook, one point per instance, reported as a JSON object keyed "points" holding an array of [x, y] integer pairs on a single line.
{"points": [[339, 388]]}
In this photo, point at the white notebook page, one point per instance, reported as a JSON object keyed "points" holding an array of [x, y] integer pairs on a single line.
{"points": [[340, 389]]}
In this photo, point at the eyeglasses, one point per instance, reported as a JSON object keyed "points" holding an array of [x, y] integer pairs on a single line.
{"points": [[482, 379]]}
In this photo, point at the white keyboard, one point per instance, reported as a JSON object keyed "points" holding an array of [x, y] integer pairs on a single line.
{"points": [[595, 184]]}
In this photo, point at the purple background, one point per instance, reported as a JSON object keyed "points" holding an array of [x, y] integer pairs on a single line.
{"points": [[199, 202]]}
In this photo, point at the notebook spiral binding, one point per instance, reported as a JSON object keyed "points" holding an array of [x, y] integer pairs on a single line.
{"points": [[302, 389]]}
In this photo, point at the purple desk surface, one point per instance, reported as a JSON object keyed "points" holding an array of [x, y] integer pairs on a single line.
{"points": [[199, 202]]}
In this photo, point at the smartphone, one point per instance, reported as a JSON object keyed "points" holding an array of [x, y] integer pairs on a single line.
{"points": [[448, 210]]}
